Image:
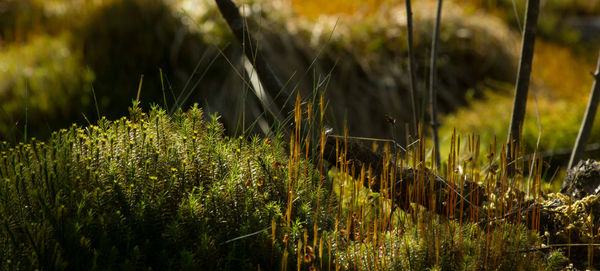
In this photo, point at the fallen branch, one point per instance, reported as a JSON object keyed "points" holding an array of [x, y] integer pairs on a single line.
{"points": [[267, 77]]}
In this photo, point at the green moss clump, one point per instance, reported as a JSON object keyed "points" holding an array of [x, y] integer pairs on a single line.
{"points": [[444, 245], [151, 191]]}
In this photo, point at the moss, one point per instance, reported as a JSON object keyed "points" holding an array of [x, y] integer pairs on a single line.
{"points": [[172, 192], [150, 191], [576, 223], [427, 247]]}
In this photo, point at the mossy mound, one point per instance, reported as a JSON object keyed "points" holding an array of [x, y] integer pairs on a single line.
{"points": [[170, 192], [151, 191]]}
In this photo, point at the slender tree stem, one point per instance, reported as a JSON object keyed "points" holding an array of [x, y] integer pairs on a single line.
{"points": [[522, 85], [588, 120], [411, 69], [433, 86]]}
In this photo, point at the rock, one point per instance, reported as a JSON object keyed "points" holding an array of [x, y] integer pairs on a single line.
{"points": [[582, 180]]}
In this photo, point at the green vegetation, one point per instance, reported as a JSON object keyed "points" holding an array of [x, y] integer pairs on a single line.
{"points": [[170, 192], [149, 191], [185, 190], [405, 252]]}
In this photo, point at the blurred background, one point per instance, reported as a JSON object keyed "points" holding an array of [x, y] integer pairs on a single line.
{"points": [[74, 61]]}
